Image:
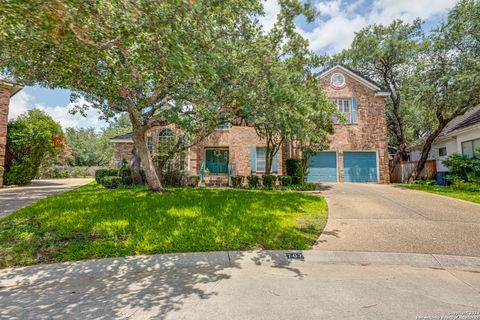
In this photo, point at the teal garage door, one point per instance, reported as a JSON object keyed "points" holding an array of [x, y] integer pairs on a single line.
{"points": [[322, 167], [360, 166]]}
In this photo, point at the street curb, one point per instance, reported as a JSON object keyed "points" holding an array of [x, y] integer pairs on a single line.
{"points": [[221, 260]]}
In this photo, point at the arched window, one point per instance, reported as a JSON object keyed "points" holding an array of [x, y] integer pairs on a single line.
{"points": [[165, 135]]}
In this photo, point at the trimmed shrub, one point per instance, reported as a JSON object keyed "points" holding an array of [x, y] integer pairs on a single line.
{"points": [[101, 173], [173, 178], [285, 180], [253, 181], [193, 181], [462, 168], [293, 166], [125, 174], [237, 181], [18, 174], [112, 182], [268, 181]]}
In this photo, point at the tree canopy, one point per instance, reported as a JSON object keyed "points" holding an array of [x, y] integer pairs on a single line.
{"points": [[182, 63], [386, 54], [90, 147]]}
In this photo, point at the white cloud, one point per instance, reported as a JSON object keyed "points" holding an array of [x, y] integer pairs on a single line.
{"points": [[272, 9], [20, 103], [339, 19], [384, 11], [329, 8]]}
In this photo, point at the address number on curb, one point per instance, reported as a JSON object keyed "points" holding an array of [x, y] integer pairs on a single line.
{"points": [[295, 256]]}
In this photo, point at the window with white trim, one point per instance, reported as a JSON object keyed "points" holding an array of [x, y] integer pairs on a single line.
{"points": [[349, 111], [223, 126], [261, 159], [165, 134], [442, 152], [471, 148]]}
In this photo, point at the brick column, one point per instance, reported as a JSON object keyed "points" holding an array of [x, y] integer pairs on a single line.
{"points": [[4, 101]]}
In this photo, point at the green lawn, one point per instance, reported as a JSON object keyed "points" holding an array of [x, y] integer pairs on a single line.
{"points": [[91, 222], [447, 191]]}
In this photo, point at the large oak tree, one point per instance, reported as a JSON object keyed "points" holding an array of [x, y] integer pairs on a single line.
{"points": [[151, 59]]}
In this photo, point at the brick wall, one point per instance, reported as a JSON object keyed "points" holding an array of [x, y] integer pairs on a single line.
{"points": [[238, 140], [370, 134], [4, 102]]}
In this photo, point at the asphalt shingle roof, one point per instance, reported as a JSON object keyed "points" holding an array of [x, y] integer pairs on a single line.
{"points": [[470, 120], [126, 136]]}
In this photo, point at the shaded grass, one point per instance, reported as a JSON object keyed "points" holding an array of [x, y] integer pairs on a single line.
{"points": [[91, 222], [446, 191]]}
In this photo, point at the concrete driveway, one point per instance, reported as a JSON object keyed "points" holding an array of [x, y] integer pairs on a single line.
{"points": [[12, 199], [386, 218]]}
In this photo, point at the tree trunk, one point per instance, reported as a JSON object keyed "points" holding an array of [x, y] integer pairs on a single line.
{"points": [[303, 168], [398, 156], [135, 168], [147, 163], [427, 146]]}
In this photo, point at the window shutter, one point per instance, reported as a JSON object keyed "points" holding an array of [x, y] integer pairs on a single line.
{"points": [[275, 163], [253, 159], [354, 111]]}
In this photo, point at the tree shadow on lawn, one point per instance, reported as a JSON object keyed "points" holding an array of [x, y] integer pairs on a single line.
{"points": [[153, 287], [93, 223]]}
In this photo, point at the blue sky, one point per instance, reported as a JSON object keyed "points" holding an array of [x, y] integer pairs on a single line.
{"points": [[331, 32]]}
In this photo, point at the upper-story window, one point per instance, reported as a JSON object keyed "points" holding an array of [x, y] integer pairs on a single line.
{"points": [[165, 135], [348, 107], [223, 126], [337, 80]]}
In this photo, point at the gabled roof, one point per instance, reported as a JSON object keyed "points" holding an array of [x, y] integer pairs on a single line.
{"points": [[470, 119], [123, 138], [357, 76], [466, 121], [12, 87]]}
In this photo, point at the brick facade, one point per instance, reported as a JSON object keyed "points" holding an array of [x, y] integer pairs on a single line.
{"points": [[238, 140], [4, 102], [369, 134]]}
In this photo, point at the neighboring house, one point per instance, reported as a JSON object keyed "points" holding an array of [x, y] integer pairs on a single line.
{"points": [[461, 135], [358, 150], [7, 90]]}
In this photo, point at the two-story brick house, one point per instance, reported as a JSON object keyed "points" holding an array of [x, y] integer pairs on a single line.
{"points": [[358, 150]]}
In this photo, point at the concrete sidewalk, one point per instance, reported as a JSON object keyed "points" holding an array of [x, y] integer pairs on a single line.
{"points": [[245, 285], [14, 198]]}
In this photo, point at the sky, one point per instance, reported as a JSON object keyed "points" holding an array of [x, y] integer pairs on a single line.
{"points": [[332, 31]]}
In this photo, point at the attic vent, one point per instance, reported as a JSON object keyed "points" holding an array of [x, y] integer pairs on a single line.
{"points": [[337, 80]]}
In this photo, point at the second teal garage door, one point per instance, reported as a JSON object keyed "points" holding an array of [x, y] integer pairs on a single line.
{"points": [[322, 167], [360, 166]]}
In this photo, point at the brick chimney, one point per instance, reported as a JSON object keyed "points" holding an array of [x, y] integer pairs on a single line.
{"points": [[7, 90]]}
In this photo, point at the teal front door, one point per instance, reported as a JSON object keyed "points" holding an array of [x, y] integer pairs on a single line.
{"points": [[216, 161]]}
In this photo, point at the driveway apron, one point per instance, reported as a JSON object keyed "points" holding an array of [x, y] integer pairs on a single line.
{"points": [[388, 218]]}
